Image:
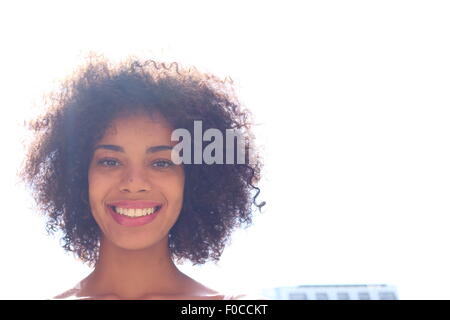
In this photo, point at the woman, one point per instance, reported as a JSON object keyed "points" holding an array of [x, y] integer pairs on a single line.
{"points": [[102, 169]]}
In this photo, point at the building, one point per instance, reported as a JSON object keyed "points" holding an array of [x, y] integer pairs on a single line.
{"points": [[333, 292]]}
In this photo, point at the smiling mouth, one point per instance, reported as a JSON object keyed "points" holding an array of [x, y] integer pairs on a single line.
{"points": [[136, 212]]}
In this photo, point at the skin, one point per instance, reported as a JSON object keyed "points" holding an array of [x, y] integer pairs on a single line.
{"points": [[134, 262]]}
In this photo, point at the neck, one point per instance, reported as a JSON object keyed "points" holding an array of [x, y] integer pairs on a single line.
{"points": [[130, 274]]}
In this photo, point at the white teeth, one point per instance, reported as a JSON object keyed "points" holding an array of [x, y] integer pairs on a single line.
{"points": [[135, 212]]}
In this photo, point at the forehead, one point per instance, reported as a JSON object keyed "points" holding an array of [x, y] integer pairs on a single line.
{"points": [[138, 124]]}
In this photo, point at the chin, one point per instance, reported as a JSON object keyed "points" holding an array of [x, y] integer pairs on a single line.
{"points": [[136, 242]]}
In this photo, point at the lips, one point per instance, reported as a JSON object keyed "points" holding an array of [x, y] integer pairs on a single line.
{"points": [[135, 204]]}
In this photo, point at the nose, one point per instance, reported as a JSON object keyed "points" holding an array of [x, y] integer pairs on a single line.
{"points": [[134, 181]]}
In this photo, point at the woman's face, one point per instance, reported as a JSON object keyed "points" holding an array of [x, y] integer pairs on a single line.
{"points": [[135, 191]]}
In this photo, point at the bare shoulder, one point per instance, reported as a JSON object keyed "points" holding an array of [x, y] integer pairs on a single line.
{"points": [[69, 294], [74, 294]]}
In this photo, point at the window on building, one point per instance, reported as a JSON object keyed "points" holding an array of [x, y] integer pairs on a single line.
{"points": [[387, 295], [298, 296], [321, 296], [363, 296], [343, 296]]}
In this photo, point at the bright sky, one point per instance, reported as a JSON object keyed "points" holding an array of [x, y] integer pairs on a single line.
{"points": [[353, 105]]}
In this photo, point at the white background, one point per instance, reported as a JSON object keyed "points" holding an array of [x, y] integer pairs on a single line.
{"points": [[352, 104]]}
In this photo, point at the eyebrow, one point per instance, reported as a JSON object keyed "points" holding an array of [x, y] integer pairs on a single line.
{"points": [[120, 149]]}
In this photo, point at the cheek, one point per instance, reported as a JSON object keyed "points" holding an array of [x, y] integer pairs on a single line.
{"points": [[97, 188], [174, 190]]}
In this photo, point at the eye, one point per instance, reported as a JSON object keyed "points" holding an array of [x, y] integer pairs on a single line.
{"points": [[162, 164], [108, 163]]}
